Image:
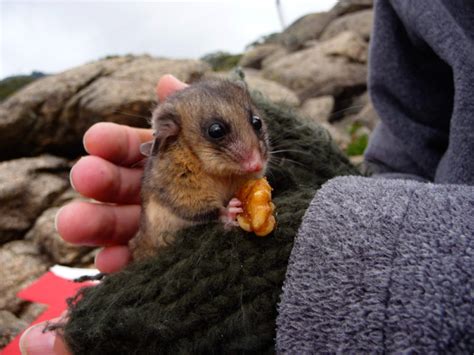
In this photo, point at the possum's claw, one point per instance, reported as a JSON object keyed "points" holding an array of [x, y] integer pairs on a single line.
{"points": [[229, 214]]}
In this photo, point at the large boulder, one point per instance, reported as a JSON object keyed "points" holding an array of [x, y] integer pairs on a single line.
{"points": [[279, 53], [52, 113], [28, 186], [271, 89], [359, 22], [253, 57], [305, 28], [347, 44], [312, 72], [344, 7]]}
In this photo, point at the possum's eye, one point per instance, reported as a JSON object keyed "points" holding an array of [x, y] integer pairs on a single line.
{"points": [[256, 123], [217, 130]]}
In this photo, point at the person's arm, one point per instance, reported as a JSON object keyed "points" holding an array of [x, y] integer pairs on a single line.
{"points": [[421, 76], [381, 266]]}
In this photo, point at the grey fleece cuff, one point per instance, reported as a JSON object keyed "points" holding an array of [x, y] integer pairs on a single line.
{"points": [[381, 266]]}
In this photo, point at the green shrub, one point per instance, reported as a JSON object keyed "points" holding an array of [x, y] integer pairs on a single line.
{"points": [[358, 142], [221, 61], [10, 85]]}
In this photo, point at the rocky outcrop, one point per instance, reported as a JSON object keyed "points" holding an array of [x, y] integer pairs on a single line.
{"points": [[22, 263], [318, 109], [304, 29], [28, 186], [346, 44], [311, 73], [270, 89], [344, 7], [360, 22], [52, 114], [253, 58], [10, 326]]}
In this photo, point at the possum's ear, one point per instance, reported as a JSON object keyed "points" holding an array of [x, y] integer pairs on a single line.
{"points": [[166, 127], [146, 148]]}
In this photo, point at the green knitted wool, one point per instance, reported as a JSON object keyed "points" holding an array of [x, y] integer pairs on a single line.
{"points": [[212, 291]]}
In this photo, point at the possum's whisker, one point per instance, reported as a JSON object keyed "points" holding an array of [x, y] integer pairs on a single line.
{"points": [[139, 163], [284, 159], [132, 115], [291, 151], [344, 110]]}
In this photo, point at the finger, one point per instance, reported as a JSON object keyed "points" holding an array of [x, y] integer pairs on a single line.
{"points": [[235, 210], [116, 143], [235, 203], [96, 224], [36, 342], [101, 180], [113, 259], [60, 347], [167, 85]]}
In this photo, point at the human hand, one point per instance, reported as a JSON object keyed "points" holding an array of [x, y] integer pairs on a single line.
{"points": [[106, 175]]}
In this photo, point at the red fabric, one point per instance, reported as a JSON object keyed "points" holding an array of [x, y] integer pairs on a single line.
{"points": [[52, 291]]}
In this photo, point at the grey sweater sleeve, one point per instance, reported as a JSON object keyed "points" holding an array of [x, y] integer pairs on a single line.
{"points": [[421, 80], [381, 266]]}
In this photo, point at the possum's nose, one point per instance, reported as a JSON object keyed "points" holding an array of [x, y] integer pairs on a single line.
{"points": [[253, 162]]}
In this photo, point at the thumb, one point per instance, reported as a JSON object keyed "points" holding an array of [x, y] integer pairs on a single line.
{"points": [[35, 341], [167, 85]]}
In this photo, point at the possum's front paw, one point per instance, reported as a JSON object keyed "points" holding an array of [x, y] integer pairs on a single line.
{"points": [[228, 215]]}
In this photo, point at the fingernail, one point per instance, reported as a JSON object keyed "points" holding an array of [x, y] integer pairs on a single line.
{"points": [[34, 341], [70, 174], [56, 218], [84, 141]]}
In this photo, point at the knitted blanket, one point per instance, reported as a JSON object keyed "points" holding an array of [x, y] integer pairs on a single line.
{"points": [[382, 266], [212, 291]]}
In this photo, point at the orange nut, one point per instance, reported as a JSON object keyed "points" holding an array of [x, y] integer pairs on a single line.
{"points": [[256, 198]]}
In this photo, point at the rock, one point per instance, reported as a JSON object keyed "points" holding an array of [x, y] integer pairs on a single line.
{"points": [[340, 136], [304, 29], [359, 22], [22, 263], [361, 100], [367, 117], [253, 57], [357, 160], [66, 196], [318, 109], [344, 7], [27, 187], [279, 53], [10, 327], [311, 73], [52, 114], [347, 44], [272, 90], [50, 243], [30, 311]]}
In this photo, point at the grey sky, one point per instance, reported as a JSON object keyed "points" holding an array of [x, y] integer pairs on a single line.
{"points": [[52, 36]]}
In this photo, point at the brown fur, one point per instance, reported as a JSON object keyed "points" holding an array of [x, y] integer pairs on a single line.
{"points": [[189, 179]]}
